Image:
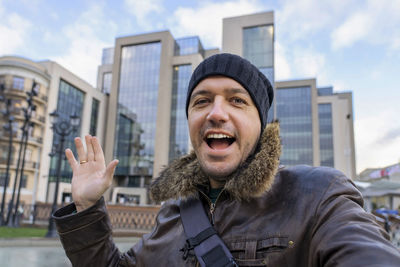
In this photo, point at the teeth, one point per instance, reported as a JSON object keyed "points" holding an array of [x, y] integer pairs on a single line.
{"points": [[218, 136]]}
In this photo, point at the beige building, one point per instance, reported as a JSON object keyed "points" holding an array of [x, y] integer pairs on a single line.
{"points": [[145, 128], [55, 84], [316, 126], [340, 106], [146, 77], [17, 75]]}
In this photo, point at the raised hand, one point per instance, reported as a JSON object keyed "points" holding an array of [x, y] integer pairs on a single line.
{"points": [[91, 177]]}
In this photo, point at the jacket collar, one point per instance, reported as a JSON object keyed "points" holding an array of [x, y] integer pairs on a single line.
{"points": [[182, 178]]}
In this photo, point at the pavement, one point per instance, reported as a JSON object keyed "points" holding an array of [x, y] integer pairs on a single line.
{"points": [[43, 252]]}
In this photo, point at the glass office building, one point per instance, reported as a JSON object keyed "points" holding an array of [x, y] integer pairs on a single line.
{"points": [[107, 56], [70, 101], [137, 110], [188, 46], [258, 48], [295, 116], [326, 134], [179, 133]]}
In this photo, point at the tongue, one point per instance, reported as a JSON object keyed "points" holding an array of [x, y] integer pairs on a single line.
{"points": [[219, 143]]}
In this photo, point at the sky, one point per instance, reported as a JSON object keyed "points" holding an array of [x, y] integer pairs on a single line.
{"points": [[352, 45]]}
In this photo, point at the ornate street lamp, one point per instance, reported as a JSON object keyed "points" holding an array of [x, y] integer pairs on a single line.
{"points": [[11, 217], [63, 128], [7, 115]]}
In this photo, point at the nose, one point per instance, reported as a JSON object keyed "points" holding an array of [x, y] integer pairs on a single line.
{"points": [[218, 112]]}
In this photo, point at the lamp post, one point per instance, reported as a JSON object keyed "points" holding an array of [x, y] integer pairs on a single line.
{"points": [[7, 114], [11, 222], [63, 128]]}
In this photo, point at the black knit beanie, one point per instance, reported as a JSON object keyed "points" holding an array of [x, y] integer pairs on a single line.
{"points": [[240, 70]]}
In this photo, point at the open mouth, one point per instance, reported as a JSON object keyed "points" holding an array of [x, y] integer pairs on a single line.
{"points": [[219, 141]]}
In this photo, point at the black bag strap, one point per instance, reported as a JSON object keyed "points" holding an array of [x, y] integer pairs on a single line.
{"points": [[209, 248]]}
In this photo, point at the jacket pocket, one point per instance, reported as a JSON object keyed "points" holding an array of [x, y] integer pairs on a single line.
{"points": [[265, 252]]}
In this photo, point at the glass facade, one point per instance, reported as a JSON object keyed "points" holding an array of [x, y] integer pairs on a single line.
{"points": [[188, 46], [94, 117], [137, 109], [107, 79], [258, 48], [108, 56], [179, 132], [326, 135], [70, 101], [325, 91], [295, 116]]}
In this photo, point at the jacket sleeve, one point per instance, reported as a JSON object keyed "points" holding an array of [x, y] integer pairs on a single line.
{"points": [[344, 234], [86, 237]]}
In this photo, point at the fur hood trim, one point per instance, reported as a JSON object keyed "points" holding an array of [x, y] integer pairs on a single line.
{"points": [[182, 178]]}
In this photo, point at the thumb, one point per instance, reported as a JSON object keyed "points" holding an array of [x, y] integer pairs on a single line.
{"points": [[111, 168]]}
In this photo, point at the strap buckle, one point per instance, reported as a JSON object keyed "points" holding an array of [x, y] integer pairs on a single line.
{"points": [[186, 248]]}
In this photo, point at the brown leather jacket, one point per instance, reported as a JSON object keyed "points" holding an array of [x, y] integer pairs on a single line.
{"points": [[301, 216]]}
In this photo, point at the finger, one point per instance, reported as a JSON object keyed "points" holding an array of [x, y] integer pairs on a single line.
{"points": [[110, 170], [89, 147], [80, 149], [71, 159], [98, 151]]}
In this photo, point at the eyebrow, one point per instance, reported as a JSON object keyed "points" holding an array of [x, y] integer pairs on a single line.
{"points": [[229, 90]]}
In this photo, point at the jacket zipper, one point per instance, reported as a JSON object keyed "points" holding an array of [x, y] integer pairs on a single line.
{"points": [[212, 205]]}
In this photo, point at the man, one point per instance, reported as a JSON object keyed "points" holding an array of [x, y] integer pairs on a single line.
{"points": [[299, 216]]}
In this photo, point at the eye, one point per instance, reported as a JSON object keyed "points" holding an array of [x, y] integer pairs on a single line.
{"points": [[238, 101], [200, 102]]}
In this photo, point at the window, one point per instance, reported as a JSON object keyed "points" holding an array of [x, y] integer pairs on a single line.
{"points": [[3, 179], [295, 116], [70, 101], [94, 116], [179, 133], [107, 79], [18, 83], [137, 108]]}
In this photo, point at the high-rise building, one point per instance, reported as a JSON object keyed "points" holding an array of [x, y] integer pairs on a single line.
{"points": [[252, 37], [146, 126], [316, 126], [336, 130], [146, 77], [58, 89]]}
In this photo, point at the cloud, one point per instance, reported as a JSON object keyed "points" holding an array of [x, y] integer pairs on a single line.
{"points": [[352, 30], [304, 63], [206, 19], [15, 29], [377, 22], [142, 9], [297, 20], [377, 140], [390, 136], [83, 53], [282, 66]]}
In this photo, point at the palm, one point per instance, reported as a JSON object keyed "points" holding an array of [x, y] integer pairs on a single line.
{"points": [[91, 177], [88, 180]]}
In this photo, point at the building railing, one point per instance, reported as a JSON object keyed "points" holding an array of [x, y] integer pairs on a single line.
{"points": [[129, 219], [143, 218]]}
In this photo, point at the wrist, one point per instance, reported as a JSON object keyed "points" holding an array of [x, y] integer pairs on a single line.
{"points": [[83, 205]]}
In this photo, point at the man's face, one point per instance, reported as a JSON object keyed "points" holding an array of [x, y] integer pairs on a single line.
{"points": [[224, 125]]}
